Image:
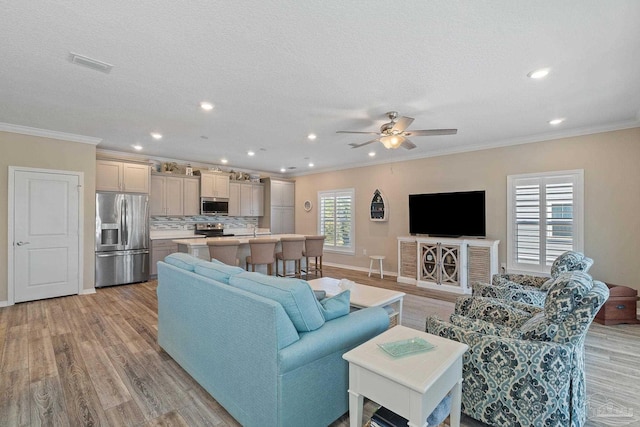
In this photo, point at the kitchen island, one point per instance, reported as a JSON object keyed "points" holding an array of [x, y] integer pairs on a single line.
{"points": [[199, 248]]}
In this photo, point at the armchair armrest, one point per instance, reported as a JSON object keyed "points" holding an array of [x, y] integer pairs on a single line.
{"points": [[518, 279], [484, 327], [340, 334], [527, 294], [497, 311]]}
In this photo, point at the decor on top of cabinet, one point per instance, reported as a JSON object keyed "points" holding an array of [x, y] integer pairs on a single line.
{"points": [[379, 207], [170, 167]]}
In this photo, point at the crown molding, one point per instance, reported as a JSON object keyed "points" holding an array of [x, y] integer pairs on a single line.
{"points": [[45, 133]]}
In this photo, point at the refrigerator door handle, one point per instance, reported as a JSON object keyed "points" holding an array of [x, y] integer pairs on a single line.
{"points": [[126, 228], [122, 221], [121, 253]]}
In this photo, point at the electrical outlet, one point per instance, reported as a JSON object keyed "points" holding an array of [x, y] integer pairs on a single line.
{"points": [[364, 252]]}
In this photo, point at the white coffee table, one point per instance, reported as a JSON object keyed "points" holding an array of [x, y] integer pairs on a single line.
{"points": [[363, 296], [411, 386]]}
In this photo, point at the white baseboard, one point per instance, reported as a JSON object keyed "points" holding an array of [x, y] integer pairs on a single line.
{"points": [[5, 304], [365, 269], [87, 291]]}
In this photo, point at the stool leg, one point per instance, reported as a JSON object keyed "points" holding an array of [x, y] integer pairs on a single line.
{"points": [[370, 266], [381, 274]]}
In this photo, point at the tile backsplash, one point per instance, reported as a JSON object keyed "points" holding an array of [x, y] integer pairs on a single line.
{"points": [[157, 223]]}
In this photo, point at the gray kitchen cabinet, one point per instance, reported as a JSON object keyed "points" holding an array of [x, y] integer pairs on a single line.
{"points": [[112, 175]]}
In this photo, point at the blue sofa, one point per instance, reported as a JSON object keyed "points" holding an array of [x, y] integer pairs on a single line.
{"points": [[257, 343]]}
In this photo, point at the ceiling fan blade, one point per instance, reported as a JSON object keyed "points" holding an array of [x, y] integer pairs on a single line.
{"points": [[408, 144], [432, 132], [354, 145], [350, 131], [402, 123]]}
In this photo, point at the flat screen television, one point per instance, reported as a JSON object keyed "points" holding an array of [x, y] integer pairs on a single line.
{"points": [[448, 214]]}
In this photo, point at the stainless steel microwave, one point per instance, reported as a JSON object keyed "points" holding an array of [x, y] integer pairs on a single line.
{"points": [[214, 206]]}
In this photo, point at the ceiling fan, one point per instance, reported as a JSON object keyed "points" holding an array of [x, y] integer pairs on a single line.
{"points": [[394, 134]]}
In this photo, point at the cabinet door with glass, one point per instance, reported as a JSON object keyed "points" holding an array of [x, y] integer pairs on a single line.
{"points": [[440, 263]]}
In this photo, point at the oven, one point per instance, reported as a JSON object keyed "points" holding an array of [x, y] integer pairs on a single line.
{"points": [[211, 230], [214, 206]]}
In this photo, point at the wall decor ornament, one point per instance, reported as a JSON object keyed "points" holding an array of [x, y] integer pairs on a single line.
{"points": [[379, 208]]}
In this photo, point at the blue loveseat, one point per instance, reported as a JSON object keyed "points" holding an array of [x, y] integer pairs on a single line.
{"points": [[263, 347]]}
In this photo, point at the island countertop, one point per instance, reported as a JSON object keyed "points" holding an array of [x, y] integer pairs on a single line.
{"points": [[244, 240]]}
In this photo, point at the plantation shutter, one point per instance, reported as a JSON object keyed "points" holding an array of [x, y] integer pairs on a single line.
{"points": [[545, 219], [336, 219]]}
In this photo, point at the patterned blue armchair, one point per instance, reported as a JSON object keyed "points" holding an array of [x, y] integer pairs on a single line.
{"points": [[525, 364], [531, 289]]}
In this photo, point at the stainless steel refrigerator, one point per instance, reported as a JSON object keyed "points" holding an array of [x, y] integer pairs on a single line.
{"points": [[122, 238]]}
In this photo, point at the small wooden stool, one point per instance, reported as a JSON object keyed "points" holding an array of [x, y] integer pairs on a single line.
{"points": [[373, 258]]}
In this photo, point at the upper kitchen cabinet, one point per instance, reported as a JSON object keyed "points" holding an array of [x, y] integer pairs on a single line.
{"points": [[282, 192], [279, 200], [173, 195], [214, 185], [125, 177], [191, 196], [166, 196], [251, 199]]}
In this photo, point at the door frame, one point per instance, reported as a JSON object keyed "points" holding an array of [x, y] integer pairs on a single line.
{"points": [[11, 224]]}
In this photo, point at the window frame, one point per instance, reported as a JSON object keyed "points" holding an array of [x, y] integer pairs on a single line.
{"points": [[575, 176], [351, 249]]}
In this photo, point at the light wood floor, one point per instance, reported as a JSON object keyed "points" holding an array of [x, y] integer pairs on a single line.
{"points": [[93, 360]]}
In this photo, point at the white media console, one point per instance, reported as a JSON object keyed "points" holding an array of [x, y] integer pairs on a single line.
{"points": [[446, 264]]}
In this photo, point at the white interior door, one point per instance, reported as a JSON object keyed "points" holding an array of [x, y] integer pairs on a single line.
{"points": [[46, 241]]}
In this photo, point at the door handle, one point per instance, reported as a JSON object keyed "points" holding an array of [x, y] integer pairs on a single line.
{"points": [[22, 243]]}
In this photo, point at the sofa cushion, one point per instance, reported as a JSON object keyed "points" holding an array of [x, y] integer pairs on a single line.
{"points": [[295, 296], [183, 261], [220, 272], [336, 306]]}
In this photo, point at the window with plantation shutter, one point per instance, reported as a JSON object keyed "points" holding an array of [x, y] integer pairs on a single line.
{"points": [[336, 220], [545, 219]]}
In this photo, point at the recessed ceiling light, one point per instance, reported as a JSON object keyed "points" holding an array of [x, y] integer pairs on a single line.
{"points": [[310, 165], [225, 161], [206, 106], [312, 136], [556, 121], [538, 74], [250, 153], [137, 147], [156, 135], [283, 170], [372, 154]]}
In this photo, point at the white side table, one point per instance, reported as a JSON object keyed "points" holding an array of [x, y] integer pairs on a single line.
{"points": [[411, 386], [373, 258]]}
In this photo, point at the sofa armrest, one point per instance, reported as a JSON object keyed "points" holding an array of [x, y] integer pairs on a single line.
{"points": [[340, 334]]}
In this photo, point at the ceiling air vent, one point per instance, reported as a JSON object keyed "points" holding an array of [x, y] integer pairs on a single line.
{"points": [[90, 63]]}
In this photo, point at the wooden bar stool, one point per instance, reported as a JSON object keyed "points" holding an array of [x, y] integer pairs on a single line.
{"points": [[379, 258], [313, 248], [224, 251], [263, 252], [291, 251]]}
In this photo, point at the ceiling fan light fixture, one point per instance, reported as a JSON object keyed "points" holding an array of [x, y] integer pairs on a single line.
{"points": [[392, 141]]}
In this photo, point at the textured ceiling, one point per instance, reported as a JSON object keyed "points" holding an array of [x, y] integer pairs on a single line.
{"points": [[279, 70]]}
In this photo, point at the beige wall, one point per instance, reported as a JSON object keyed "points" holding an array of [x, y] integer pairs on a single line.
{"points": [[612, 196], [45, 153]]}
